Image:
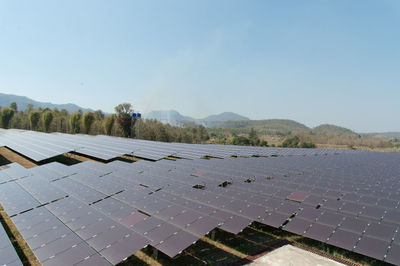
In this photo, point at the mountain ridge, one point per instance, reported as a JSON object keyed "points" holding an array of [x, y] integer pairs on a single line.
{"points": [[23, 102], [332, 130], [222, 120], [174, 117]]}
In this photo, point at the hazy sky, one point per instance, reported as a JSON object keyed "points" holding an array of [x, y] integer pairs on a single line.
{"points": [[315, 62]]}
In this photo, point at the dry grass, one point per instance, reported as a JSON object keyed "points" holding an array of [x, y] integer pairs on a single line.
{"points": [[11, 157], [224, 247], [131, 158], [172, 158], [79, 157], [146, 258]]}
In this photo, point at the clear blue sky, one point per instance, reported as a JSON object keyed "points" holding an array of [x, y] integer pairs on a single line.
{"points": [[314, 62]]}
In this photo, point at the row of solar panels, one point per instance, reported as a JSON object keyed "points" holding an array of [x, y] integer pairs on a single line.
{"points": [[8, 256], [41, 146], [341, 199]]}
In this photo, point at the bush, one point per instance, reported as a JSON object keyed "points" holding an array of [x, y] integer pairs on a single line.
{"points": [[6, 115], [307, 145], [296, 142], [291, 142]]}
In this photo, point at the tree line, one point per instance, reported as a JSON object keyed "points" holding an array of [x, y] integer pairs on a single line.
{"points": [[117, 124], [250, 139], [96, 123]]}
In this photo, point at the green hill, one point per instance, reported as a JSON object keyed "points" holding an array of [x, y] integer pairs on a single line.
{"points": [[279, 127], [270, 126], [332, 130]]}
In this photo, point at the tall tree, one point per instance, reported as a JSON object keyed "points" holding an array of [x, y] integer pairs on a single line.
{"points": [[6, 115], [109, 124], [47, 119], [161, 133], [29, 108], [255, 141], [88, 119], [202, 132], [34, 117], [99, 115], [14, 106], [124, 112], [64, 112], [75, 122]]}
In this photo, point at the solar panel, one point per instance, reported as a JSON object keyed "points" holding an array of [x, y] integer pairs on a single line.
{"points": [[297, 196], [176, 243], [133, 219], [15, 199], [8, 256], [372, 247], [297, 226], [58, 246], [147, 225], [96, 227], [74, 255], [235, 224], [373, 212], [319, 232], [308, 213], [381, 231], [185, 219], [93, 260], [354, 224], [15, 171], [124, 248], [344, 239], [351, 208], [202, 226], [111, 236], [162, 232], [393, 255], [275, 219], [330, 218]]}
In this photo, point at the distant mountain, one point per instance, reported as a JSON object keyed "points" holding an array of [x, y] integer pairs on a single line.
{"points": [[175, 118], [23, 102], [282, 127], [332, 130], [238, 123], [226, 116], [384, 135], [226, 120], [169, 116]]}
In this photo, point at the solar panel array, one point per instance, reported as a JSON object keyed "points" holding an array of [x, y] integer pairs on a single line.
{"points": [[92, 213], [100, 214], [41, 146]]}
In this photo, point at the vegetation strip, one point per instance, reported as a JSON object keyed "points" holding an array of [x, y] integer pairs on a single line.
{"points": [[147, 259], [224, 247], [11, 156]]}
